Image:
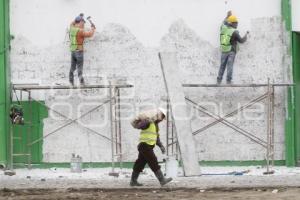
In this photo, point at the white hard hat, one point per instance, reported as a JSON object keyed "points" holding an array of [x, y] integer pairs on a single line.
{"points": [[164, 111]]}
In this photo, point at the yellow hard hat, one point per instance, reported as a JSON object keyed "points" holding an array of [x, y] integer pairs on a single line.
{"points": [[232, 19]]}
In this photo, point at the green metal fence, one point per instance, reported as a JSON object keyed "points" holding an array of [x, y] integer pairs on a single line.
{"points": [[4, 79]]}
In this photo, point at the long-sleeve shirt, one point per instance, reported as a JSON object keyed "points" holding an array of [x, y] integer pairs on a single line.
{"points": [[81, 35], [235, 38], [158, 142]]}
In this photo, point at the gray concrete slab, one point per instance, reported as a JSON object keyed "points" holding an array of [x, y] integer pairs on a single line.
{"points": [[171, 74]]}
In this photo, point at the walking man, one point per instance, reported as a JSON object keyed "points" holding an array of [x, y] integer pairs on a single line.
{"points": [[229, 39], [77, 36], [149, 137]]}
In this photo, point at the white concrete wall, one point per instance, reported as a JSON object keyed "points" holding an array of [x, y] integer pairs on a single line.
{"points": [[148, 20], [295, 15], [129, 35]]}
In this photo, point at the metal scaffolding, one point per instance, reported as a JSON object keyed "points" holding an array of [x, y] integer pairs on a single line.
{"points": [[114, 99], [268, 143]]}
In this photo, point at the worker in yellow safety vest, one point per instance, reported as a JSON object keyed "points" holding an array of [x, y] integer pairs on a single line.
{"points": [[229, 39], [77, 35], [149, 137]]}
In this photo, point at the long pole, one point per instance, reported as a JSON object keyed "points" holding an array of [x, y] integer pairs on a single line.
{"points": [[119, 123], [30, 131], [11, 143], [272, 125], [167, 128], [268, 127], [173, 139], [115, 121], [236, 85], [11, 161], [111, 128], [64, 87]]}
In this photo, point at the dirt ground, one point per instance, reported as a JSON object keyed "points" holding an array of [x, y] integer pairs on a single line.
{"points": [[151, 194]]}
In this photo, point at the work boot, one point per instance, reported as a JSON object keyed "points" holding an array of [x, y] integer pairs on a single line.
{"points": [[134, 177], [162, 180], [82, 82], [72, 83]]}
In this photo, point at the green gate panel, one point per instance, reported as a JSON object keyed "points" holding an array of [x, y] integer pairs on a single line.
{"points": [[34, 113], [290, 141], [296, 76], [292, 135]]}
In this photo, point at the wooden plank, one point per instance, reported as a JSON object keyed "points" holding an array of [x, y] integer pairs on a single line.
{"points": [[238, 85], [182, 123], [62, 87]]}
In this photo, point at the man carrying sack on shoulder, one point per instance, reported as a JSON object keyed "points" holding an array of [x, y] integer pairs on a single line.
{"points": [[149, 137]]}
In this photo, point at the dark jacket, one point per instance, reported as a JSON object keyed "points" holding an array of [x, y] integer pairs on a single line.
{"points": [[158, 142]]}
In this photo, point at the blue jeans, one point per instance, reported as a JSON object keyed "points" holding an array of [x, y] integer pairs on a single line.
{"points": [[76, 62], [227, 59]]}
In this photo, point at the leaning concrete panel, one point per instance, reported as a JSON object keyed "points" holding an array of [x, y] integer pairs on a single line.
{"points": [[182, 122]]}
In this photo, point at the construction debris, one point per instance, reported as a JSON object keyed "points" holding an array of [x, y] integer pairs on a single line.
{"points": [[9, 172]]}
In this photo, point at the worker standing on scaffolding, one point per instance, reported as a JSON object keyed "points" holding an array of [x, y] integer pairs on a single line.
{"points": [[229, 38], [77, 36], [149, 137]]}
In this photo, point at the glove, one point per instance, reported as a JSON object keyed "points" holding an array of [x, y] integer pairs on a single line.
{"points": [[163, 149], [229, 13]]}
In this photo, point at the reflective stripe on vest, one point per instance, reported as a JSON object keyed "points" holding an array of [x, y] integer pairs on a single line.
{"points": [[225, 37], [73, 38], [149, 135]]}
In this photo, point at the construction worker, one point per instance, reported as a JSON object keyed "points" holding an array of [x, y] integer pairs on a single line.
{"points": [[149, 137], [77, 36], [229, 38]]}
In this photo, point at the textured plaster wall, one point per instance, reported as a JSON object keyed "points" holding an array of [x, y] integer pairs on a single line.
{"points": [[124, 50]]}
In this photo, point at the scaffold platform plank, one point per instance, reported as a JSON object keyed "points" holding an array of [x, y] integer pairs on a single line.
{"points": [[239, 85], [64, 87]]}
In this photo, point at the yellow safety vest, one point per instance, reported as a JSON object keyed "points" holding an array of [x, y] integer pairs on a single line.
{"points": [[225, 37], [149, 135], [73, 38]]}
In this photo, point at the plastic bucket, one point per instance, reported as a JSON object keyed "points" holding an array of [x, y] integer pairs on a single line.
{"points": [[171, 167], [76, 164]]}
